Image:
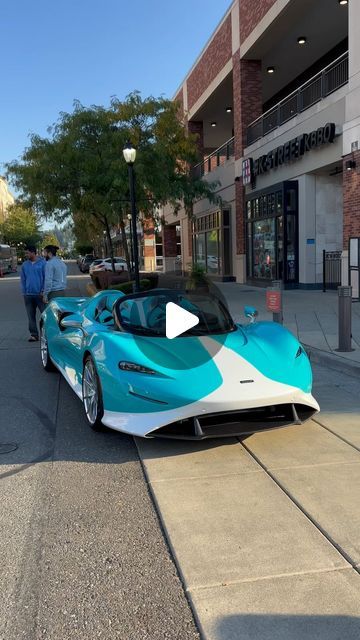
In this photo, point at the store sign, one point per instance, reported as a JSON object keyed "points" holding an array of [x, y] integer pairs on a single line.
{"points": [[273, 300], [288, 152], [247, 170]]}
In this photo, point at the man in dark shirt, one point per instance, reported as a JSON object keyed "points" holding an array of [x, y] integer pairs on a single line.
{"points": [[32, 286]]}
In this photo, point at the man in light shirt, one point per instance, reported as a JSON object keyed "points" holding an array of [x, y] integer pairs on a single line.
{"points": [[55, 274]]}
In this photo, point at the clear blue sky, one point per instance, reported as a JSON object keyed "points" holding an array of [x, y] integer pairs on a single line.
{"points": [[55, 51]]}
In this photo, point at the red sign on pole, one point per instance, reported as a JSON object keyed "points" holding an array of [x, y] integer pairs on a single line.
{"points": [[273, 300]]}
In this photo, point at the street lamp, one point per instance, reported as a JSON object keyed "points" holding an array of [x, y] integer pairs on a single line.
{"points": [[129, 155], [129, 217], [105, 243]]}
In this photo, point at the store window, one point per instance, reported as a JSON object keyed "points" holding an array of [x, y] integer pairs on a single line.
{"points": [[178, 241], [211, 238], [159, 248]]}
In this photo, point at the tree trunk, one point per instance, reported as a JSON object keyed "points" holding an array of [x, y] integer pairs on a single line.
{"points": [[125, 245], [111, 248]]}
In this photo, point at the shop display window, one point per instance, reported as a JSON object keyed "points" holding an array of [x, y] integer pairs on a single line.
{"points": [[272, 234], [211, 239]]}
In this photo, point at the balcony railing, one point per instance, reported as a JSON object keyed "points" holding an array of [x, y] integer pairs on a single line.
{"points": [[216, 159], [334, 76]]}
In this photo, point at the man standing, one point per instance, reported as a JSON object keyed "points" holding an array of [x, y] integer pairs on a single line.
{"points": [[32, 286], [55, 274]]}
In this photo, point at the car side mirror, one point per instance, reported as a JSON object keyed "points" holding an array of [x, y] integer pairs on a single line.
{"points": [[73, 321], [251, 313]]}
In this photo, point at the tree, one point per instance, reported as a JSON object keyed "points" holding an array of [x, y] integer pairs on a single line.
{"points": [[21, 226], [79, 169], [50, 238]]}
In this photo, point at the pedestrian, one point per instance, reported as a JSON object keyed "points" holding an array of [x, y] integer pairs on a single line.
{"points": [[55, 274], [32, 278]]}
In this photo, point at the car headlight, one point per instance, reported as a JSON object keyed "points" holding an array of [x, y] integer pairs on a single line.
{"points": [[136, 368], [299, 352]]}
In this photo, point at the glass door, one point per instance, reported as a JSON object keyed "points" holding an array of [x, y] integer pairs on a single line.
{"points": [[291, 248], [291, 251], [264, 249]]}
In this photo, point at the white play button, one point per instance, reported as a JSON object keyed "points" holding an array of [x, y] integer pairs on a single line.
{"points": [[178, 320]]}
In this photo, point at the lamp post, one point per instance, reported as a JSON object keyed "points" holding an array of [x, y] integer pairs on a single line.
{"points": [[105, 244], [129, 217], [129, 155]]}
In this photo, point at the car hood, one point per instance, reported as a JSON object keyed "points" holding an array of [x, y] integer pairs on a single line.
{"points": [[183, 353]]}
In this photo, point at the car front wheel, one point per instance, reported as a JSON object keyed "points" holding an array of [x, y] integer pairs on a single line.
{"points": [[44, 351], [92, 395]]}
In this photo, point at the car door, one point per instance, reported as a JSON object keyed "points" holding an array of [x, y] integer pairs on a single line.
{"points": [[69, 345]]}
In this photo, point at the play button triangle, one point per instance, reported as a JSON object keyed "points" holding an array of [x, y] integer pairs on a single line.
{"points": [[178, 320]]}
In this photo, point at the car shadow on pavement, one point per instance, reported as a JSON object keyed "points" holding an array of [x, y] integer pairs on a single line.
{"points": [[288, 627], [54, 428]]}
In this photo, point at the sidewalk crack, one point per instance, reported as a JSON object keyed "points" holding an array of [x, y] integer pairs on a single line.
{"points": [[275, 576]]}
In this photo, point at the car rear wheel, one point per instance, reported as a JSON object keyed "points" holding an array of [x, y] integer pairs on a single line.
{"points": [[92, 395], [44, 351]]}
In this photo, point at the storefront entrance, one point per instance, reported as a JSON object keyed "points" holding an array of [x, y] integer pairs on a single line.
{"points": [[272, 235]]}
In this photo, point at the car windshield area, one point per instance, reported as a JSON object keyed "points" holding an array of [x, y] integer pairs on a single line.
{"points": [[145, 314]]}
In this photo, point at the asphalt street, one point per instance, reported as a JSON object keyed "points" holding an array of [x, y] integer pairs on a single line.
{"points": [[82, 552], [264, 531]]}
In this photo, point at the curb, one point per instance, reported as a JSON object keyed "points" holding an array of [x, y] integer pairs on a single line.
{"points": [[332, 361]]}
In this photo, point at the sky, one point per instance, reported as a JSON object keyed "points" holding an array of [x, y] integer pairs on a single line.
{"points": [[55, 51]]}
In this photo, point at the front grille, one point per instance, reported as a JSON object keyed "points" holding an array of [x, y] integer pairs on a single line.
{"points": [[236, 423]]}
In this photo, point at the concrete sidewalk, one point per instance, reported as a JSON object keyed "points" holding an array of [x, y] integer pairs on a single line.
{"points": [[265, 530], [310, 315]]}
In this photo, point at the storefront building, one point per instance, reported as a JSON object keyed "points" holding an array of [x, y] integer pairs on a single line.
{"points": [[274, 98]]}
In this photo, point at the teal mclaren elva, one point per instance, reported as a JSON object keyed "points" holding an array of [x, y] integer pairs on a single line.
{"points": [[217, 379]]}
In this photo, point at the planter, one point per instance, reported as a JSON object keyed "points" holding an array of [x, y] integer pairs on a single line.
{"points": [[104, 279]]}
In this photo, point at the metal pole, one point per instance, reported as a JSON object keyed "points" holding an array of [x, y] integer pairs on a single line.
{"points": [[131, 245], [134, 228], [324, 271], [345, 301], [278, 317]]}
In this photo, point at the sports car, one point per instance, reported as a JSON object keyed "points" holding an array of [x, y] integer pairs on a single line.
{"points": [[217, 379]]}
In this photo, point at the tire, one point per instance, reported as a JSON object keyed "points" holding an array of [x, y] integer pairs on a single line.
{"points": [[92, 395], [44, 352]]}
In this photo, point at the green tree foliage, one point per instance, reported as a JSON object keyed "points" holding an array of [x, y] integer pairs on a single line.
{"points": [[50, 238], [21, 226], [83, 249], [79, 170]]}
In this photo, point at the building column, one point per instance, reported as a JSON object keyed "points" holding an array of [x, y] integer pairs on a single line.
{"points": [[351, 140], [169, 247], [351, 191], [149, 246], [197, 128], [247, 95]]}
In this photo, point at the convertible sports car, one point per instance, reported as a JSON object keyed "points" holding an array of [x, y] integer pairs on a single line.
{"points": [[217, 379]]}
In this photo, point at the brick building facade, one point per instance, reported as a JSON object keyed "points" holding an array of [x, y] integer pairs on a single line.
{"points": [[273, 73]]}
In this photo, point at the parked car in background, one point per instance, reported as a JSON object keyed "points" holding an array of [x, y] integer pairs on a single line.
{"points": [[105, 265], [84, 265], [94, 264]]}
